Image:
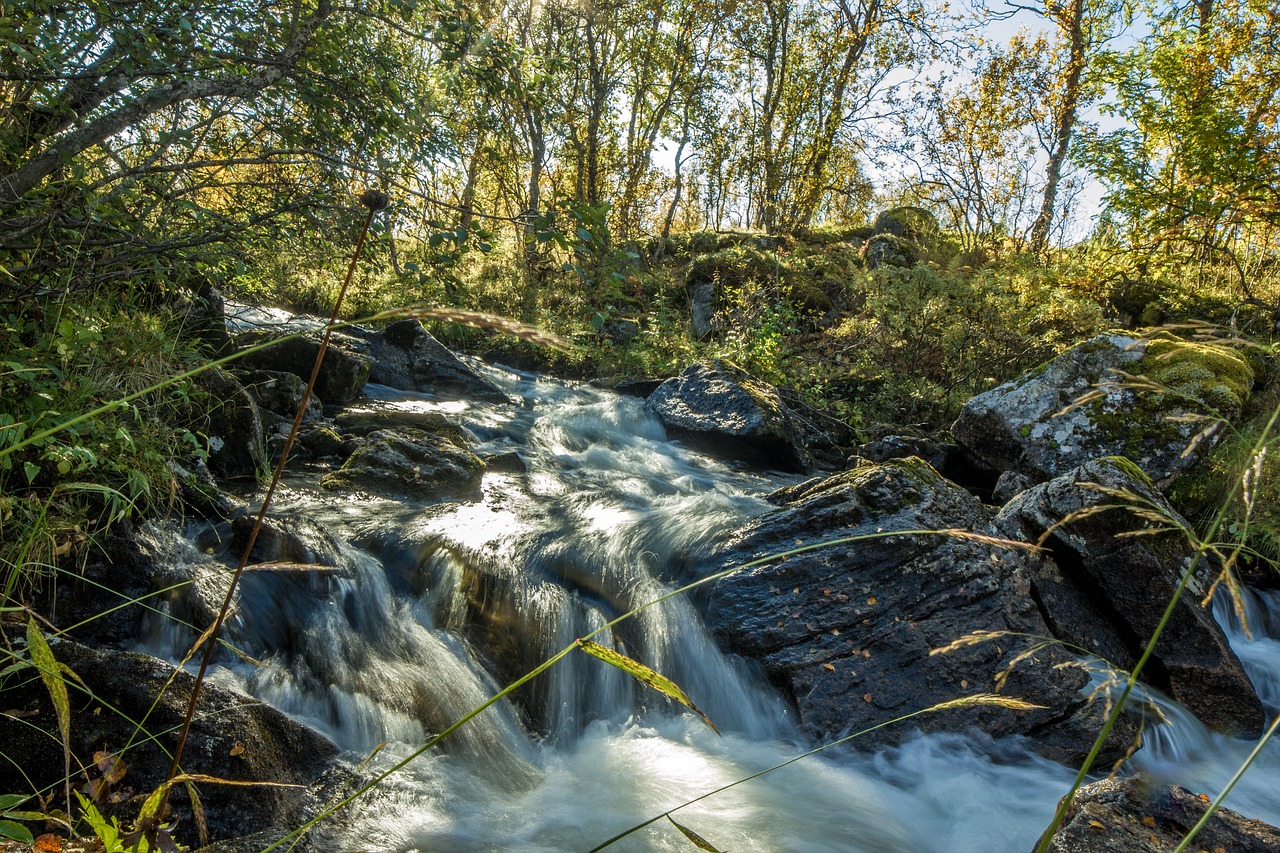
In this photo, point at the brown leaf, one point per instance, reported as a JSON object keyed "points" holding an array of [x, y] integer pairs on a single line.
{"points": [[828, 667], [237, 750]]}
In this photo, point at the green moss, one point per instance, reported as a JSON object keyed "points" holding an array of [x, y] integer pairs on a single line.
{"points": [[1024, 430], [1214, 377]]}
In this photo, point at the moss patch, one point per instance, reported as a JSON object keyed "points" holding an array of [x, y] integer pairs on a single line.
{"points": [[1212, 378]]}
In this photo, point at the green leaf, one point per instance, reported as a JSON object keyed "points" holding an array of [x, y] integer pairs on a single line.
{"points": [[8, 801], [51, 675], [16, 831], [644, 674], [32, 470], [698, 841], [584, 235]]}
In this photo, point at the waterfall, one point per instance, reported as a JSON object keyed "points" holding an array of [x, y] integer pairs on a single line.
{"points": [[422, 612]]}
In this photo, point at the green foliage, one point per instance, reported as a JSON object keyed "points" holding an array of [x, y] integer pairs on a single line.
{"points": [[9, 814], [107, 831], [1252, 518], [59, 491], [926, 340]]}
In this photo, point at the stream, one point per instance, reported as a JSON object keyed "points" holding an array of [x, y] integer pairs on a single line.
{"points": [[429, 610]]}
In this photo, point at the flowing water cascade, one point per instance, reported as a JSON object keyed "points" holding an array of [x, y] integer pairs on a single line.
{"points": [[422, 612]]}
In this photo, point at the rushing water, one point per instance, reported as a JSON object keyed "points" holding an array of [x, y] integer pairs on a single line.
{"points": [[428, 610]]}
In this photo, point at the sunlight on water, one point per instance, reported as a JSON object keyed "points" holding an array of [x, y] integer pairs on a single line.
{"points": [[433, 608]]}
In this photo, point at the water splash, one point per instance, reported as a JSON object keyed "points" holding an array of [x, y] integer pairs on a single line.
{"points": [[426, 611]]}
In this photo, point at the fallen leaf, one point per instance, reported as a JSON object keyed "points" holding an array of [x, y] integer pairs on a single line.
{"points": [[1097, 825], [964, 682], [236, 750], [866, 697], [48, 843], [871, 600], [1149, 821], [829, 667]]}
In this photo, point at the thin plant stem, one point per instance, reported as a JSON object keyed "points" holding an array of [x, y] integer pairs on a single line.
{"points": [[210, 638]]}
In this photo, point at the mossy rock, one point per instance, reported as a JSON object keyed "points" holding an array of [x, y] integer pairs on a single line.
{"points": [[910, 223], [1159, 402]]}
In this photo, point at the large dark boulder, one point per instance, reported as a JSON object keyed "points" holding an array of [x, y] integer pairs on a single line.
{"points": [[410, 464], [406, 356], [1104, 589], [232, 737], [228, 418], [1131, 815], [1043, 424], [343, 372], [720, 409], [852, 632]]}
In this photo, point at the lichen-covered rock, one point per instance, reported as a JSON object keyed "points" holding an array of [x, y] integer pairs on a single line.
{"points": [[343, 372], [1105, 591], [1030, 425], [232, 738], [850, 631], [1131, 815], [408, 357], [410, 464], [229, 419], [720, 409]]}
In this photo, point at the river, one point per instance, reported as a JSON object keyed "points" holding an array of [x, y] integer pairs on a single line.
{"points": [[429, 610]]}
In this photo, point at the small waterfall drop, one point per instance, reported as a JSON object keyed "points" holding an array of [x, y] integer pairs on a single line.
{"points": [[422, 613]]}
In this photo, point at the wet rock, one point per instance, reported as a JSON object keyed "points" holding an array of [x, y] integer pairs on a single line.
{"points": [[1104, 590], [1026, 425], [232, 737], [1130, 815], [300, 541], [280, 392], [322, 442], [637, 387], [410, 464], [343, 372], [199, 492], [363, 420], [849, 631], [408, 357], [720, 409], [506, 463], [229, 419]]}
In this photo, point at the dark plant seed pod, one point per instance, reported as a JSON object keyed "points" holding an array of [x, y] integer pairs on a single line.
{"points": [[375, 200]]}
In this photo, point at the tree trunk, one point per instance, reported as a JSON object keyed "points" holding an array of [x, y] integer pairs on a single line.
{"points": [[1071, 24]]}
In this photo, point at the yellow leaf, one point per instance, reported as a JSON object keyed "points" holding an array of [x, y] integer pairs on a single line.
{"points": [[644, 674], [828, 667], [698, 841]]}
